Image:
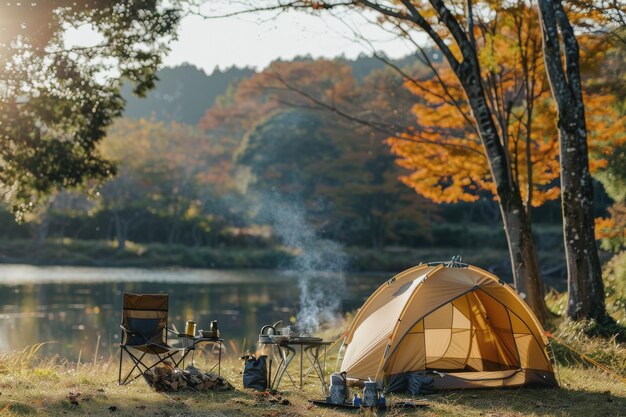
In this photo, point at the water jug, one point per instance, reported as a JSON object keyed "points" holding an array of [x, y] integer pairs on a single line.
{"points": [[338, 388], [215, 332], [370, 394]]}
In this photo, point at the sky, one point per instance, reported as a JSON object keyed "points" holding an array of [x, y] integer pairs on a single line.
{"points": [[257, 39]]}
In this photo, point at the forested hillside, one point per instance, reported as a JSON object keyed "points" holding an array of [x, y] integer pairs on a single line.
{"points": [[202, 157], [183, 93]]}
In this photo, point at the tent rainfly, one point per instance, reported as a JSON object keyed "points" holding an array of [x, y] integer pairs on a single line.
{"points": [[456, 319]]}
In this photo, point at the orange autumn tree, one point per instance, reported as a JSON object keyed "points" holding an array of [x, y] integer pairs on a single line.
{"points": [[519, 95], [252, 99], [464, 33]]}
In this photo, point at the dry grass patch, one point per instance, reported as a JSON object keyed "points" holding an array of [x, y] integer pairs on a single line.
{"points": [[49, 388]]}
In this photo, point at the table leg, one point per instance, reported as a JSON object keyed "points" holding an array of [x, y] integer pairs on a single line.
{"points": [[279, 364], [279, 360], [301, 359], [310, 368], [313, 353], [219, 360], [287, 355]]}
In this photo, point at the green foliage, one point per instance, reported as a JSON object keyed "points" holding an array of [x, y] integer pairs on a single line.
{"points": [[285, 150], [57, 99], [613, 177], [341, 171], [604, 340], [615, 287]]}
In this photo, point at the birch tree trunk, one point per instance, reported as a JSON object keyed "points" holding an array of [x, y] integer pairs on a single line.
{"points": [[584, 274]]}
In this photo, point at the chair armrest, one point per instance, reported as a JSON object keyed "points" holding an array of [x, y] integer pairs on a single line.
{"points": [[176, 333], [127, 331]]}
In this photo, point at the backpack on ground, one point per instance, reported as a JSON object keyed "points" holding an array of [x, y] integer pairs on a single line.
{"points": [[255, 373]]}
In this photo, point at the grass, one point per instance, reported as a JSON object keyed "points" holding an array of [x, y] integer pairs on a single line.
{"points": [[43, 388], [31, 385]]}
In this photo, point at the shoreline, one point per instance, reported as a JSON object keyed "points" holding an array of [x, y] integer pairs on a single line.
{"points": [[105, 254]]}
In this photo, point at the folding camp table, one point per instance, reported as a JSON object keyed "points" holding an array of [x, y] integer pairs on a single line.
{"points": [[287, 351], [190, 344]]}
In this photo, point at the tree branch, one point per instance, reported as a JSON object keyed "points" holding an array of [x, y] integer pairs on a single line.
{"points": [[390, 130]]}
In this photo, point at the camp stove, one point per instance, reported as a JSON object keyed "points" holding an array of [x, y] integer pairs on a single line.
{"points": [[285, 345], [279, 333]]}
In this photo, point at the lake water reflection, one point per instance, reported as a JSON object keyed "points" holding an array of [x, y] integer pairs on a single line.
{"points": [[72, 306]]}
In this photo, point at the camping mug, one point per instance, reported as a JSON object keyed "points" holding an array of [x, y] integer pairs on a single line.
{"points": [[190, 329], [215, 333]]}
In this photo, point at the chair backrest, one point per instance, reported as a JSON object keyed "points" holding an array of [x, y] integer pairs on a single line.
{"points": [[145, 314]]}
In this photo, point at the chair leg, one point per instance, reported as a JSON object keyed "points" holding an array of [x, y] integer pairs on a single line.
{"points": [[119, 377], [142, 367], [137, 363]]}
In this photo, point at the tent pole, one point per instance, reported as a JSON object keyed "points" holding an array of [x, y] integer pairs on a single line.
{"points": [[402, 313], [341, 350]]}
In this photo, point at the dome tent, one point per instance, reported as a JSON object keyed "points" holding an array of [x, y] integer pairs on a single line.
{"points": [[453, 318]]}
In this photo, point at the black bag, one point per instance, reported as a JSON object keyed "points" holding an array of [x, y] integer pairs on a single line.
{"points": [[419, 383], [255, 373]]}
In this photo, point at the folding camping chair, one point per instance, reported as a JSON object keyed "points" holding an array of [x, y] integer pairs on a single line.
{"points": [[144, 330]]}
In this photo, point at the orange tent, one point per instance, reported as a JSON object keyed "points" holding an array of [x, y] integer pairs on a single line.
{"points": [[456, 319]]}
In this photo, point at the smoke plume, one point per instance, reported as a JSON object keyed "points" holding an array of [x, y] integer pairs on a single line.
{"points": [[319, 265]]}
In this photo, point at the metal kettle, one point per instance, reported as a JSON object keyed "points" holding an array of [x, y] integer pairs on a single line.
{"points": [[267, 331]]}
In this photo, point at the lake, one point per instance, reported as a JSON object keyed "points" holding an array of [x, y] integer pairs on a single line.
{"points": [[78, 308]]}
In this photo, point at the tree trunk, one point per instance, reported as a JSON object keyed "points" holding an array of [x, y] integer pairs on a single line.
{"points": [[524, 260], [172, 236], [196, 236], [43, 227], [517, 225], [377, 231], [120, 231], [584, 274]]}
